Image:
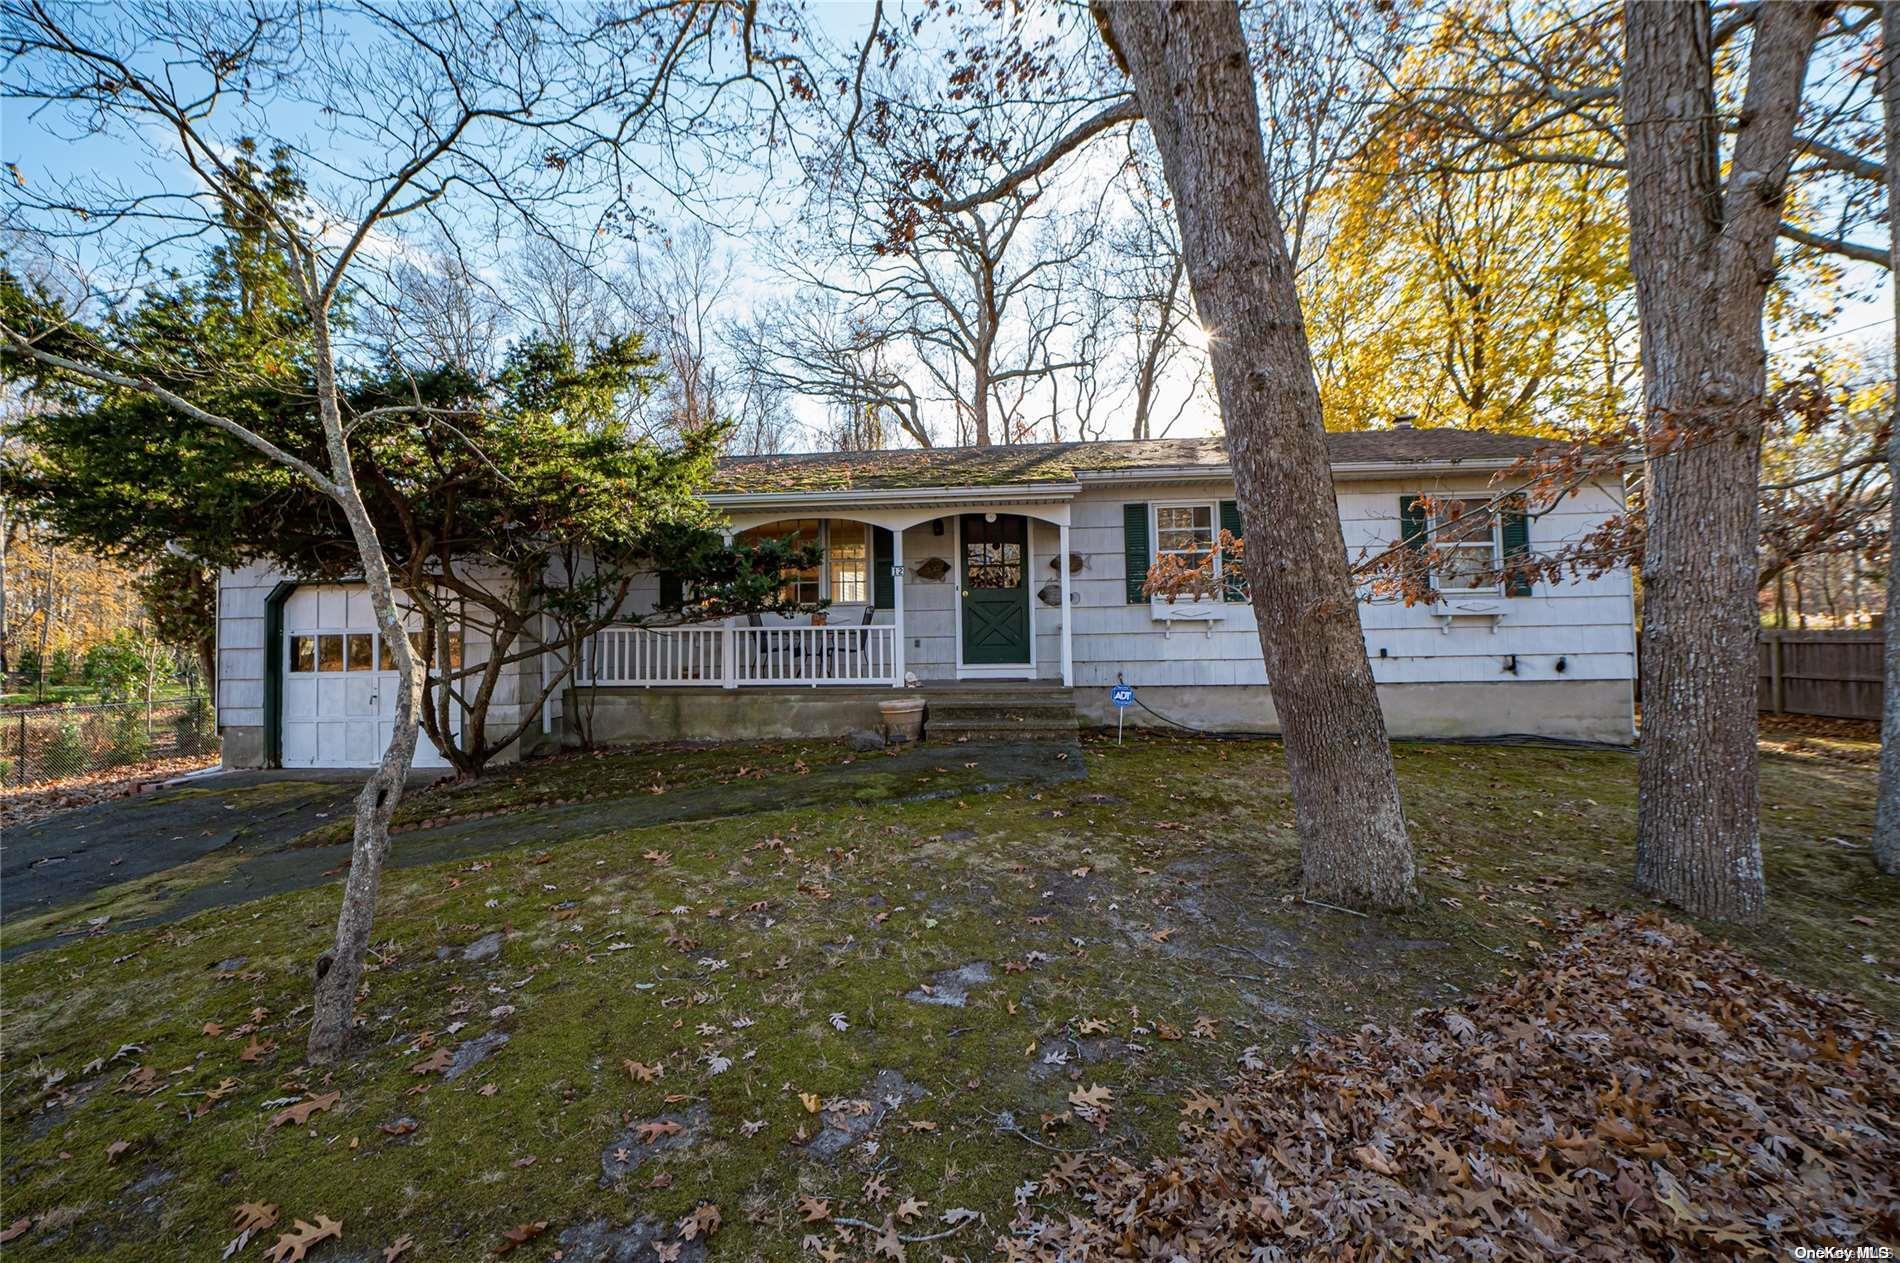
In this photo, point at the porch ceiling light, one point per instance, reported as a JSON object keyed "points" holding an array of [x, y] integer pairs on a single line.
{"points": [[990, 516]]}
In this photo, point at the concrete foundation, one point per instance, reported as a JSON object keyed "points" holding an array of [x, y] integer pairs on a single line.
{"points": [[1571, 710], [243, 745], [750, 714]]}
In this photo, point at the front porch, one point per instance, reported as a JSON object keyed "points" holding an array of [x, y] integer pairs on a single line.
{"points": [[942, 586]]}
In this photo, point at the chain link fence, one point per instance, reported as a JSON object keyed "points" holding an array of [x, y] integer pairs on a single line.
{"points": [[50, 743]]}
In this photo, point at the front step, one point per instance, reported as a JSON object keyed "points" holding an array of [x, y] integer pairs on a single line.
{"points": [[1002, 715]]}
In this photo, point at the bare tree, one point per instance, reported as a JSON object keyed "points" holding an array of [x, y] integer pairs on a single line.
{"points": [[1702, 250], [1190, 74], [1887, 805]]}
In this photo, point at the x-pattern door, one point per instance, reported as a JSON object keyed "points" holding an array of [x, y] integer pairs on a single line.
{"points": [[995, 572]]}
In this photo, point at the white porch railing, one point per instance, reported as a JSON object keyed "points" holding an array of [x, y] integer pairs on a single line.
{"points": [[731, 657]]}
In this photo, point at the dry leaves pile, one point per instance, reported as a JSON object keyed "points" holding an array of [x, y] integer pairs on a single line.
{"points": [[22, 806], [1643, 1092]]}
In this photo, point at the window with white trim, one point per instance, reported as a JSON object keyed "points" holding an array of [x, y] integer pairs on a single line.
{"points": [[1470, 550], [1189, 531]]}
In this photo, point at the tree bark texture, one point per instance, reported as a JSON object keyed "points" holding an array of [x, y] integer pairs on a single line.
{"points": [[1190, 69], [332, 1015], [1702, 251], [1887, 805]]}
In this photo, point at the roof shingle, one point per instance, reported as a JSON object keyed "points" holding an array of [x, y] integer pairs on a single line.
{"points": [[1061, 462]]}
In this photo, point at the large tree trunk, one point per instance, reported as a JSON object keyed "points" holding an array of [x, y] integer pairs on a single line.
{"points": [[332, 1015], [1702, 251], [1189, 66], [1887, 807]]}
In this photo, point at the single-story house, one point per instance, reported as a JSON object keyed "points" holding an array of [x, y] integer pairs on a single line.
{"points": [[1010, 572]]}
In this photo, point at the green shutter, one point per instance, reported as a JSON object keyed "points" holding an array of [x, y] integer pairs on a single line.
{"points": [[672, 592], [1516, 534], [1234, 579], [883, 591], [1135, 549], [1414, 529]]}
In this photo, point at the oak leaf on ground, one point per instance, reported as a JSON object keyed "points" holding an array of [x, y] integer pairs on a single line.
{"points": [[292, 1246]]}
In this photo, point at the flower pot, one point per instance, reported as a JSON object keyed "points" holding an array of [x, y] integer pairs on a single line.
{"points": [[903, 719]]}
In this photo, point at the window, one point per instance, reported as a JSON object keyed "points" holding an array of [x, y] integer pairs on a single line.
{"points": [[303, 654], [1188, 532], [843, 573], [387, 660], [848, 558], [359, 651], [329, 653], [1465, 533]]}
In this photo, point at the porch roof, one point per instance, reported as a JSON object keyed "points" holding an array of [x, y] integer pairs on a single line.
{"points": [[1056, 467]]}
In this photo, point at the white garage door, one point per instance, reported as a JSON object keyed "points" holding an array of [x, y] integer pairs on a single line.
{"points": [[340, 686]]}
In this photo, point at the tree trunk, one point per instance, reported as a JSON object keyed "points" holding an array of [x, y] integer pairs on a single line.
{"points": [[331, 1018], [1189, 66], [1702, 254], [1887, 806]]}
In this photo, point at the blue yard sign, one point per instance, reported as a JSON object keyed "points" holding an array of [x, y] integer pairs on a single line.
{"points": [[1123, 696]]}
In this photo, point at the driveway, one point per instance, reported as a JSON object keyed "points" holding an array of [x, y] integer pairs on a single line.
{"points": [[244, 824]]}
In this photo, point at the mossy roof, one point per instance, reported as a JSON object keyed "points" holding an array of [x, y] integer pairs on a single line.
{"points": [[1029, 463]]}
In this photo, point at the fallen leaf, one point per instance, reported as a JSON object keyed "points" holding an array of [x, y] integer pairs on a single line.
{"points": [[257, 1049], [254, 1216], [520, 1234], [814, 1210], [293, 1245], [114, 1149], [397, 1248], [300, 1113], [910, 1208], [641, 1072], [703, 1222], [888, 1243], [650, 1132], [436, 1062], [811, 1101], [16, 1229]]}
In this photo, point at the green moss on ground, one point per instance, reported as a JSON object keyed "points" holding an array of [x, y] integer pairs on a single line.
{"points": [[596, 775], [1157, 894]]}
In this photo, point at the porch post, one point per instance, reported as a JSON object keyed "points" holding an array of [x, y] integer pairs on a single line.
{"points": [[897, 607], [1062, 569], [728, 639]]}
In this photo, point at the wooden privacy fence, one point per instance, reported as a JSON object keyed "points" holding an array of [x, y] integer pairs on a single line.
{"points": [[1835, 673]]}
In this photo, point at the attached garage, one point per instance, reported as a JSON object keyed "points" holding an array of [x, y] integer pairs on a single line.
{"points": [[337, 682]]}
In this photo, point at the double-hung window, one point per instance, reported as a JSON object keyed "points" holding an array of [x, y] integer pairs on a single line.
{"points": [[1188, 533], [843, 571], [1470, 550]]}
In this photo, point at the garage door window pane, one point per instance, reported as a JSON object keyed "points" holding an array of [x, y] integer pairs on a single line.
{"points": [[329, 653], [303, 653], [360, 652], [385, 660]]}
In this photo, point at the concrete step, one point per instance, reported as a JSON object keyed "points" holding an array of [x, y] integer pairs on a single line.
{"points": [[1001, 715], [998, 734], [975, 710]]}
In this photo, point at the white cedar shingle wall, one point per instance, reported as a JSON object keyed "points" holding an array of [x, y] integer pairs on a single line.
{"points": [[1586, 622]]}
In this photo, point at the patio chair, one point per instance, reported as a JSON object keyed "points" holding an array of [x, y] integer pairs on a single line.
{"points": [[864, 638], [786, 645]]}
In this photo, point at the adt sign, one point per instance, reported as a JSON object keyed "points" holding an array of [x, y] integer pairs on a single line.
{"points": [[1123, 696]]}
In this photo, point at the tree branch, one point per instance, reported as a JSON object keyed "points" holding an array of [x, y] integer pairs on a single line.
{"points": [[1127, 110]]}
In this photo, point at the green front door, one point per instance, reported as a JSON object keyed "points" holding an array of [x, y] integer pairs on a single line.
{"points": [[995, 590]]}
